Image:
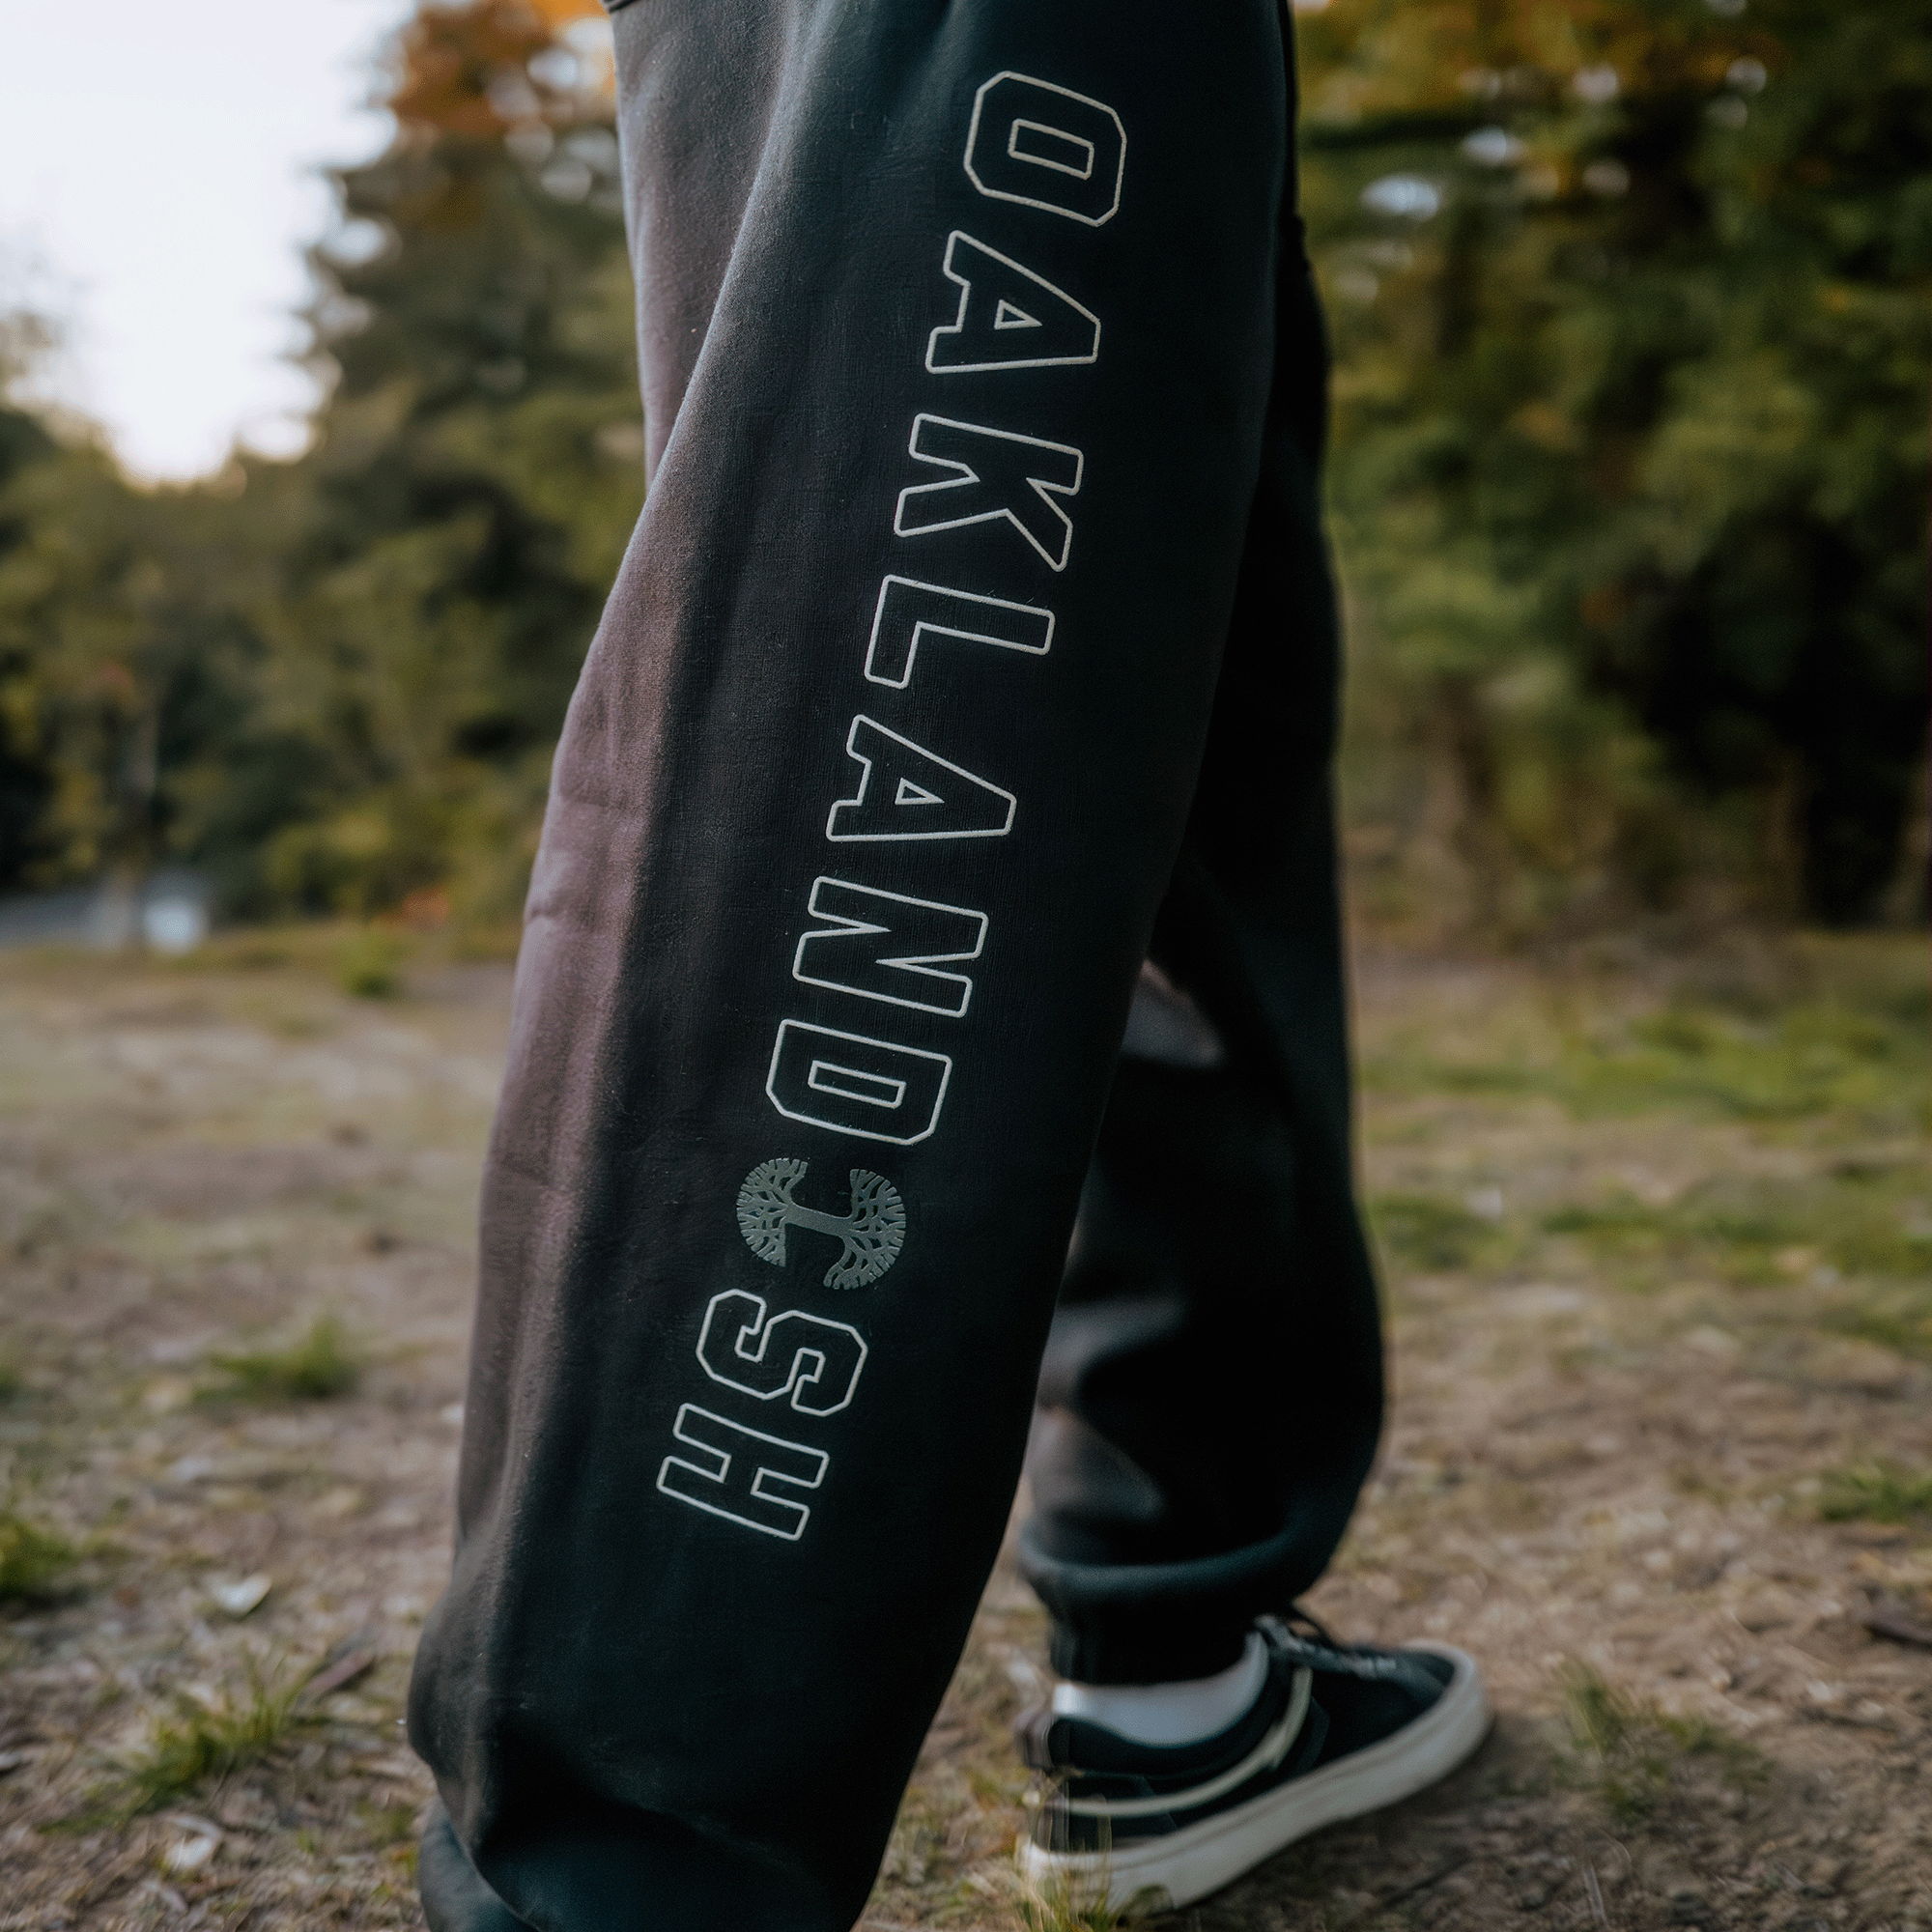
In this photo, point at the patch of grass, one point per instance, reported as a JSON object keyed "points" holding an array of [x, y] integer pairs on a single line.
{"points": [[324, 1361], [1875, 1493], [1408, 1069], [32, 1560], [1620, 1232], [1849, 1221], [1071, 1902], [1871, 1246], [12, 1382], [1630, 1749], [196, 1744], [1744, 1767], [1905, 1328], [1815, 1057], [370, 965], [1679, 1030], [1619, 1216], [1467, 1077], [1426, 1234], [1645, 1244], [1847, 1041], [388, 1825]]}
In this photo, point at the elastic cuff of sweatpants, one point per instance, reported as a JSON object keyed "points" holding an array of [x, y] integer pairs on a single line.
{"points": [[1161, 1623]]}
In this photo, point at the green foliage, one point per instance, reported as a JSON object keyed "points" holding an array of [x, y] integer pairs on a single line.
{"points": [[1876, 1492], [26, 781], [196, 1742], [1851, 1048], [1631, 301], [1424, 1233], [1632, 1753], [1818, 1044], [1898, 1320], [121, 645], [477, 474], [336, 682], [322, 1362], [369, 966], [1067, 1902], [33, 1558]]}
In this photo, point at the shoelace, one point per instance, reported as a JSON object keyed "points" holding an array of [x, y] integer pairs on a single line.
{"points": [[1324, 1653]]}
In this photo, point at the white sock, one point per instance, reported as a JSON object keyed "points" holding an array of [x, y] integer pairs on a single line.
{"points": [[1171, 1714]]}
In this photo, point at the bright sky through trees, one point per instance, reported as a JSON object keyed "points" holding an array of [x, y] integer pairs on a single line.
{"points": [[157, 183]]}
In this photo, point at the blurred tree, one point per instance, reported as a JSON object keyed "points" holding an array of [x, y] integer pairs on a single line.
{"points": [[337, 681], [1631, 309], [25, 778], [476, 473], [126, 654], [1631, 303]]}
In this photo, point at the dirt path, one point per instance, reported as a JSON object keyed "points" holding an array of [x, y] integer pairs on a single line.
{"points": [[1661, 1264]]}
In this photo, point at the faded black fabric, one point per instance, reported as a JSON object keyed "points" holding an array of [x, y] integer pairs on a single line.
{"points": [[455, 1899], [652, 1696]]}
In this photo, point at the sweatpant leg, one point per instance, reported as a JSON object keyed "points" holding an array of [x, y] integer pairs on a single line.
{"points": [[957, 324], [1213, 1388]]}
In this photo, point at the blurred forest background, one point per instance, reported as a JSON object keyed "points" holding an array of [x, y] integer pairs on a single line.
{"points": [[1632, 303]]}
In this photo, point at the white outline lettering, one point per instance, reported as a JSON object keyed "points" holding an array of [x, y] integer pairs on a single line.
{"points": [[807, 1365], [1085, 172], [966, 477], [807, 1036], [851, 924], [826, 1076], [937, 342], [856, 803], [889, 625], [716, 1478], [997, 162]]}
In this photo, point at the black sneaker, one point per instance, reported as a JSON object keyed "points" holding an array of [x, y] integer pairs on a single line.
{"points": [[1338, 1731]]}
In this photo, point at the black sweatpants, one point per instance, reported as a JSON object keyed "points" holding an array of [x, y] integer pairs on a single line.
{"points": [[975, 646]]}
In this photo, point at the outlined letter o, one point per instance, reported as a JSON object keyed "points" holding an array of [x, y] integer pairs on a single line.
{"points": [[1046, 147]]}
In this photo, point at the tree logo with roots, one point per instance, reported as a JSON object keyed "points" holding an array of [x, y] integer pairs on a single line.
{"points": [[870, 1236]]}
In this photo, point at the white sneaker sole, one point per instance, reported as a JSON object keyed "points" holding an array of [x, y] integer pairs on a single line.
{"points": [[1199, 1858]]}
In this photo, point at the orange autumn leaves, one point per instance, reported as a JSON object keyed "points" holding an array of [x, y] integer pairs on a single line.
{"points": [[477, 70]]}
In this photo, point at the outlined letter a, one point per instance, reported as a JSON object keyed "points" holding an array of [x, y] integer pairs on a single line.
{"points": [[1008, 318]]}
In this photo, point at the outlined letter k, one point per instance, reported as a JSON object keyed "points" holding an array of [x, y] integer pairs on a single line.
{"points": [[997, 474]]}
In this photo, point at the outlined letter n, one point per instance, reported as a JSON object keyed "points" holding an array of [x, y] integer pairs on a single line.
{"points": [[885, 945]]}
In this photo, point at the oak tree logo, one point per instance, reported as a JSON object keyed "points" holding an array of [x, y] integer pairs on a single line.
{"points": [[870, 1234]]}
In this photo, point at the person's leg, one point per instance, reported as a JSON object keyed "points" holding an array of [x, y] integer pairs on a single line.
{"points": [[1213, 1388], [957, 327], [1207, 1408]]}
